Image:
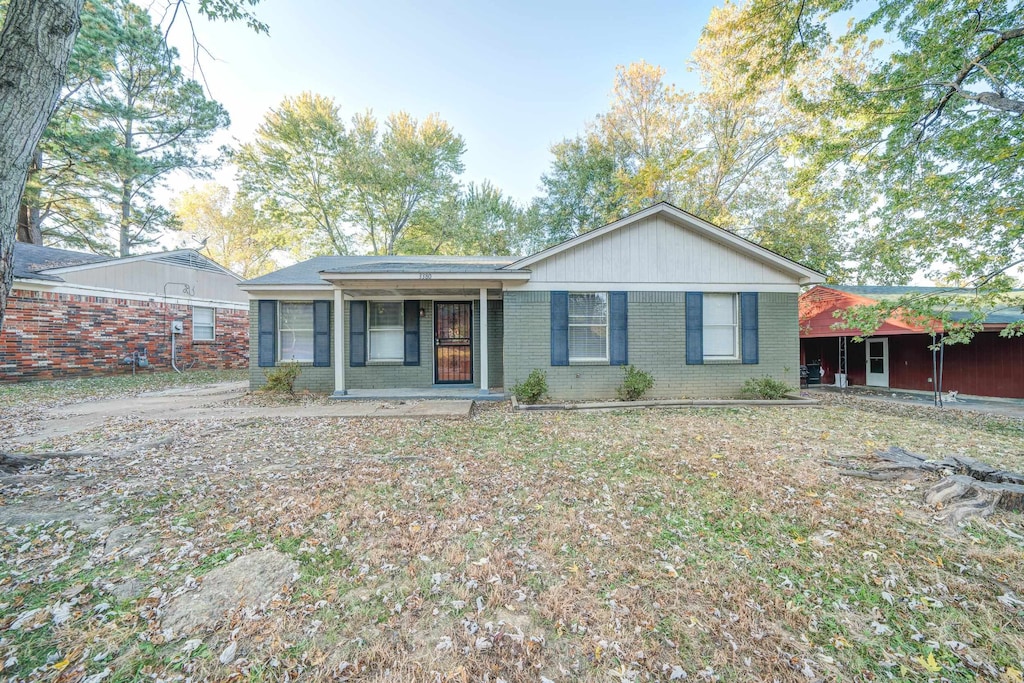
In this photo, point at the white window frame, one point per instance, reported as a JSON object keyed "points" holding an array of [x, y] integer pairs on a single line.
{"points": [[281, 331], [580, 359], [212, 325], [735, 326], [399, 328]]}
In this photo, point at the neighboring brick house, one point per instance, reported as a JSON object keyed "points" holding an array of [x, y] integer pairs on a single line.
{"points": [[72, 314], [699, 307]]}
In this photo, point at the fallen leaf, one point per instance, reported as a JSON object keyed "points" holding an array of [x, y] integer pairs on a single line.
{"points": [[929, 663]]}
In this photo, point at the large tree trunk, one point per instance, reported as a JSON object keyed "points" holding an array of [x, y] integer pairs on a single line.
{"points": [[35, 46]]}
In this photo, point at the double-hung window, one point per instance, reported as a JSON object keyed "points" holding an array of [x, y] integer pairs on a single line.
{"points": [[588, 326], [386, 331], [203, 323], [295, 332], [721, 317]]}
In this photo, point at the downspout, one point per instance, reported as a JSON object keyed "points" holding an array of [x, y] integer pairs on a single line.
{"points": [[173, 345]]}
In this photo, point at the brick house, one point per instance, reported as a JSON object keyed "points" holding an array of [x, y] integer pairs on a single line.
{"points": [[700, 308], [73, 314]]}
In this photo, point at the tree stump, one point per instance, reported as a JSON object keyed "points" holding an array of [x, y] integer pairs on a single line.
{"points": [[970, 488]]}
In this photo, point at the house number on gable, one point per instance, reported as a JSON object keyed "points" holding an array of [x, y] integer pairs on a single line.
{"points": [[426, 276]]}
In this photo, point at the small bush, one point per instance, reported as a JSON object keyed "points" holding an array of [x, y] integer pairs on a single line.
{"points": [[635, 383], [533, 388], [282, 378], [766, 388]]}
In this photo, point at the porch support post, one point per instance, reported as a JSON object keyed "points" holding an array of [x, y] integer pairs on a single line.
{"points": [[485, 387], [339, 342]]}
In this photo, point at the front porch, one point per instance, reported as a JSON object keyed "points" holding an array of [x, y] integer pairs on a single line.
{"points": [[449, 345]]}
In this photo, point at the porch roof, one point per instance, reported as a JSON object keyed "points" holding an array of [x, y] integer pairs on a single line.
{"points": [[337, 269]]}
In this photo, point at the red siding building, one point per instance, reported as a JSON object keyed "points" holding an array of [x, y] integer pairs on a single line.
{"points": [[899, 354]]}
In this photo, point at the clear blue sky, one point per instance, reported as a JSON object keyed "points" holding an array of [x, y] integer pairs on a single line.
{"points": [[511, 79]]}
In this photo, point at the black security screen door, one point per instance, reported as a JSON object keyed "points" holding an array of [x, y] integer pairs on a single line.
{"points": [[453, 342]]}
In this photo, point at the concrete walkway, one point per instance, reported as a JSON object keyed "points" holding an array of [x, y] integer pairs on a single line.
{"points": [[1007, 407], [207, 403]]}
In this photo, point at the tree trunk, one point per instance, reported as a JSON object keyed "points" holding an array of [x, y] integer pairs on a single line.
{"points": [[35, 46], [29, 229], [126, 197], [126, 219], [24, 230]]}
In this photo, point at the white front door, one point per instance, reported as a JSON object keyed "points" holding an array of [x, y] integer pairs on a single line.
{"points": [[878, 362]]}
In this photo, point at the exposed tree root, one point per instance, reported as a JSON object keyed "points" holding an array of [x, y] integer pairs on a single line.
{"points": [[11, 463], [970, 489]]}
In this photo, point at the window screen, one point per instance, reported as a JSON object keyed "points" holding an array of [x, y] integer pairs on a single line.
{"points": [[588, 326]]}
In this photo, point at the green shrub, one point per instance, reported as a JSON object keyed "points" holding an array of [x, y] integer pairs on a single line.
{"points": [[635, 383], [282, 378], [766, 388], [533, 388]]}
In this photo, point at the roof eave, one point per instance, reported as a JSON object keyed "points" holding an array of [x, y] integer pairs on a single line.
{"points": [[45, 280], [267, 286], [425, 276]]}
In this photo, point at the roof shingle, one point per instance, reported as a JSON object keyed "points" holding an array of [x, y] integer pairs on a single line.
{"points": [[31, 259]]}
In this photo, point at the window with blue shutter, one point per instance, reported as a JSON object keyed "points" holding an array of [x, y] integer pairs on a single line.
{"points": [[267, 326], [694, 328], [618, 328], [322, 334], [748, 327], [559, 328], [412, 332], [357, 334]]}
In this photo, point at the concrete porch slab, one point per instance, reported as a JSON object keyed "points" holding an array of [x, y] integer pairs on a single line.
{"points": [[421, 394], [389, 408]]}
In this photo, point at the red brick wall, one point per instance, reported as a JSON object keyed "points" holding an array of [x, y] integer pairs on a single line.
{"points": [[51, 336]]}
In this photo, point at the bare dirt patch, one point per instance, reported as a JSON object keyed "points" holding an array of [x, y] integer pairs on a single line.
{"points": [[248, 582]]}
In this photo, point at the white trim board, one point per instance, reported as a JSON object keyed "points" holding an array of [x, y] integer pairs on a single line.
{"points": [[322, 296], [804, 275], [254, 290], [728, 287], [103, 293], [425, 276]]}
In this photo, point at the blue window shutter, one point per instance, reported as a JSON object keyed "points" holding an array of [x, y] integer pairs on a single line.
{"points": [[412, 332], [559, 328], [748, 327], [695, 328], [267, 326], [357, 334], [322, 334], [618, 328]]}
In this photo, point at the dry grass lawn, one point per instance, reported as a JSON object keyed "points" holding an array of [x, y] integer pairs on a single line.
{"points": [[646, 545]]}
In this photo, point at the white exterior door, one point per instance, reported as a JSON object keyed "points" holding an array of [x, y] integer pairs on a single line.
{"points": [[878, 362]]}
